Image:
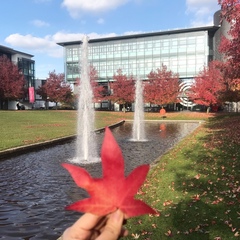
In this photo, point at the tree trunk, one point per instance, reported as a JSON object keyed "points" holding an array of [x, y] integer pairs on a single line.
{"points": [[46, 105]]}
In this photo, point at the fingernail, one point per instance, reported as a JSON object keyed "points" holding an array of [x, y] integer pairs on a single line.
{"points": [[117, 216]]}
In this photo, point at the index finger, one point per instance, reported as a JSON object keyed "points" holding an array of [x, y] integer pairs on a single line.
{"points": [[82, 228]]}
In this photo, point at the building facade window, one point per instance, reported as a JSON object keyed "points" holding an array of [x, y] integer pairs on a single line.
{"points": [[183, 52]]}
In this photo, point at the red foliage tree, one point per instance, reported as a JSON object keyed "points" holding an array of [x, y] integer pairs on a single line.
{"points": [[55, 89], [162, 87], [122, 89], [11, 80], [98, 90], [230, 47], [208, 86], [231, 90]]}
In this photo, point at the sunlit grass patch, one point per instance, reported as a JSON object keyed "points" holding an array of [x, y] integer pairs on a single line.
{"points": [[196, 189]]}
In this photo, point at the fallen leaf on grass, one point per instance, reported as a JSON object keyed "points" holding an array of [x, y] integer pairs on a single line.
{"points": [[196, 197], [169, 233], [135, 236], [167, 203], [197, 176], [236, 234], [217, 201], [154, 225]]}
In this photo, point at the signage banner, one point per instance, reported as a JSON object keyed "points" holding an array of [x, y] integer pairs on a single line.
{"points": [[31, 95]]}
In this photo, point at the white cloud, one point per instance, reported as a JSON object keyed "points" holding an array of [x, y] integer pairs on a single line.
{"points": [[132, 32], [202, 11], [68, 37], [34, 44], [77, 8], [195, 5], [96, 35], [27, 41], [48, 45], [199, 23], [40, 23]]}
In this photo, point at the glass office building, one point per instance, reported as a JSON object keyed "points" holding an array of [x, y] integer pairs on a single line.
{"points": [[183, 51]]}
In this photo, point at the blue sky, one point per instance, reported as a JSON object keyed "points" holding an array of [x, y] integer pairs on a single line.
{"points": [[35, 26]]}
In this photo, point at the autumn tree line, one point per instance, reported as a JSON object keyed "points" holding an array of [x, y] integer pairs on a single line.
{"points": [[220, 81], [160, 88], [217, 83]]}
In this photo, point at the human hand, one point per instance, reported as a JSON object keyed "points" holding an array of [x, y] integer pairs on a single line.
{"points": [[93, 227]]}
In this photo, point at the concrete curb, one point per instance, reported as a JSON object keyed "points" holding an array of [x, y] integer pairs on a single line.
{"points": [[42, 145]]}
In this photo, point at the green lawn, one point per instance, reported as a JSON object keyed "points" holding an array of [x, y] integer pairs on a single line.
{"points": [[195, 187], [19, 128], [24, 127]]}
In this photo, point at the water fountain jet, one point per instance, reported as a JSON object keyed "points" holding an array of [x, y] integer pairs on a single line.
{"points": [[86, 145], [138, 123]]}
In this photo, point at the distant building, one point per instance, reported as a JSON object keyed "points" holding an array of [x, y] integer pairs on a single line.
{"points": [[27, 66], [183, 51]]}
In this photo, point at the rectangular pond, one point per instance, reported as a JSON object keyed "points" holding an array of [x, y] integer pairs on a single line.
{"points": [[35, 188]]}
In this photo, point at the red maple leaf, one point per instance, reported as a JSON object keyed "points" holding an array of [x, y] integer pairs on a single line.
{"points": [[113, 190]]}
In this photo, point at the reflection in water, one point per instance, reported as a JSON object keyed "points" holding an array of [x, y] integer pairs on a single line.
{"points": [[162, 130], [35, 188]]}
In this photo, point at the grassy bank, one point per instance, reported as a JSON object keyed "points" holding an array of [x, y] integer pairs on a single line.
{"points": [[25, 127], [195, 187]]}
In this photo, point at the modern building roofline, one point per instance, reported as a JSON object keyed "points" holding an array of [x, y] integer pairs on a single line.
{"points": [[139, 35], [12, 51]]}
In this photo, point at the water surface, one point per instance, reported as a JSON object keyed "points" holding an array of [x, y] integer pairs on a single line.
{"points": [[35, 188]]}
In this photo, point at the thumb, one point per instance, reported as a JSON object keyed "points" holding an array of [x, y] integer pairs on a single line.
{"points": [[113, 227]]}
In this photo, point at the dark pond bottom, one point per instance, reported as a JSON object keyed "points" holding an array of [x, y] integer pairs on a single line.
{"points": [[35, 188]]}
